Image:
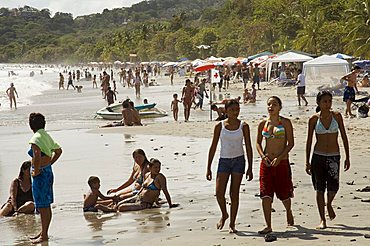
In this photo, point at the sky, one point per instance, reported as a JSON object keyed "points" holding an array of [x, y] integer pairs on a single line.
{"points": [[76, 7]]}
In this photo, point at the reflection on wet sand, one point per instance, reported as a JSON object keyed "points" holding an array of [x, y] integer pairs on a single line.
{"points": [[23, 225], [153, 220], [96, 220]]}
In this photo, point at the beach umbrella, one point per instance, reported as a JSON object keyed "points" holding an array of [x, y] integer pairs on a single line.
{"points": [[197, 62], [118, 62], [204, 67], [220, 63], [169, 64], [260, 54], [214, 59], [183, 63]]}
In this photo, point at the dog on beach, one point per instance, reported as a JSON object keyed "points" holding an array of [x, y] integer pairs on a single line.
{"points": [[79, 88]]}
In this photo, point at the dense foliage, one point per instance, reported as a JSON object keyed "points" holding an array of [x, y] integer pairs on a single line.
{"points": [[171, 29]]}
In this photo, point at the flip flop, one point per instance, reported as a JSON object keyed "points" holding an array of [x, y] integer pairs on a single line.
{"points": [[270, 238]]}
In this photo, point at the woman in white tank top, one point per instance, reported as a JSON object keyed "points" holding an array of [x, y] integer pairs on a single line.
{"points": [[231, 132]]}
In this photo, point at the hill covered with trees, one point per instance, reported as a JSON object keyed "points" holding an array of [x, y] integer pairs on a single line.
{"points": [[171, 29]]}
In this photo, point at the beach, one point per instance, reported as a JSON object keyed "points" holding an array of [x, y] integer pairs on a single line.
{"points": [[182, 147]]}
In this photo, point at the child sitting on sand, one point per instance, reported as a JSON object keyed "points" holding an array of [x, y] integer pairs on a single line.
{"points": [[149, 193], [91, 203], [250, 97]]}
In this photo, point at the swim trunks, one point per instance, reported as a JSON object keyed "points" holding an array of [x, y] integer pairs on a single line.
{"points": [[349, 94], [42, 188], [325, 172], [276, 180], [90, 209]]}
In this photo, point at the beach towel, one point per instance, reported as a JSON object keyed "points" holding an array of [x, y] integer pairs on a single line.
{"points": [[43, 140]]}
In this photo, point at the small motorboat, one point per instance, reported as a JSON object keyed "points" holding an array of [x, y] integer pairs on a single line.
{"points": [[114, 111]]}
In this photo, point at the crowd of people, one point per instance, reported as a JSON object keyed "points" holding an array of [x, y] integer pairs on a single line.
{"points": [[32, 190]]}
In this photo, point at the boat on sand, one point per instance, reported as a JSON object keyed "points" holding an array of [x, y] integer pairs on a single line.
{"points": [[114, 111]]}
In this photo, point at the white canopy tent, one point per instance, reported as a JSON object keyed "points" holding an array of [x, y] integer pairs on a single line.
{"points": [[324, 72], [286, 57]]}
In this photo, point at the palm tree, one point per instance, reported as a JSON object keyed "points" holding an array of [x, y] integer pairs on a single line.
{"points": [[358, 27], [307, 38]]}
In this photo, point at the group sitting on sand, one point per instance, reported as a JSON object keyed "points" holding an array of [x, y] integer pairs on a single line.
{"points": [[147, 182]]}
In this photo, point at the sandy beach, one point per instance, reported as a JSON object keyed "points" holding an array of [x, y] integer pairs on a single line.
{"points": [[182, 147]]}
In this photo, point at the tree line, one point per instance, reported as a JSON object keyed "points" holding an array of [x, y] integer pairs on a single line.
{"points": [[171, 29]]}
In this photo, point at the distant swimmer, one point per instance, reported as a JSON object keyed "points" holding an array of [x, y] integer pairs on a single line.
{"points": [[11, 92]]}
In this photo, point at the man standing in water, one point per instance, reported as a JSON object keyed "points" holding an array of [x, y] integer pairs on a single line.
{"points": [[349, 90], [187, 97], [11, 92]]}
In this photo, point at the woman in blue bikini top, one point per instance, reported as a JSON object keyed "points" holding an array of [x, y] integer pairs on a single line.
{"points": [[326, 125], [136, 178]]}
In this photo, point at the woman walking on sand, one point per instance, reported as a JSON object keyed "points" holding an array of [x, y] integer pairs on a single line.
{"points": [[324, 166], [44, 152], [137, 83], [275, 172], [231, 132]]}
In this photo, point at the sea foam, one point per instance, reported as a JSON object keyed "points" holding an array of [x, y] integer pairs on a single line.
{"points": [[26, 86]]}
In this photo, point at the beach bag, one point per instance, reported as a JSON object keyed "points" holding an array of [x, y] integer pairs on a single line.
{"points": [[363, 111]]}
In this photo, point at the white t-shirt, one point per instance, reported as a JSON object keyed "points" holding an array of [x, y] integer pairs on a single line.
{"points": [[231, 142], [301, 80]]}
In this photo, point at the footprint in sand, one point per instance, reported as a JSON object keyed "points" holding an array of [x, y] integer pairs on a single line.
{"points": [[201, 220], [169, 238]]}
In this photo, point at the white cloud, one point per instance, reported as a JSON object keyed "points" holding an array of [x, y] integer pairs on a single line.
{"points": [[76, 7]]}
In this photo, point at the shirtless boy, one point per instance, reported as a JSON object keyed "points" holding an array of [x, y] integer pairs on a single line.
{"points": [[175, 106], [91, 203], [11, 92], [111, 96], [349, 90]]}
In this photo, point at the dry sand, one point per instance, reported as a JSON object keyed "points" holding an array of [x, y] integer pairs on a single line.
{"points": [[182, 148]]}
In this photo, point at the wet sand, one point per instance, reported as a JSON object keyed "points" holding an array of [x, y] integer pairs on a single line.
{"points": [[182, 148]]}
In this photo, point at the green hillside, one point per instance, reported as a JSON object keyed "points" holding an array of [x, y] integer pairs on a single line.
{"points": [[171, 29]]}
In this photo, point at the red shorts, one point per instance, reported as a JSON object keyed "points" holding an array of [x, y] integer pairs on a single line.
{"points": [[276, 180]]}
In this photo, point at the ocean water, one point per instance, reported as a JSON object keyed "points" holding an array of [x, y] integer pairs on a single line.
{"points": [[26, 86]]}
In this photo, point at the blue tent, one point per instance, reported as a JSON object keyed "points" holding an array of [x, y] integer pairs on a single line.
{"points": [[362, 63], [182, 59]]}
